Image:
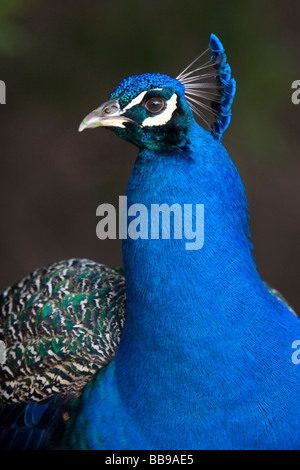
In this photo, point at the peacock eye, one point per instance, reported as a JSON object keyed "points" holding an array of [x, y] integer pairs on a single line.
{"points": [[155, 105]]}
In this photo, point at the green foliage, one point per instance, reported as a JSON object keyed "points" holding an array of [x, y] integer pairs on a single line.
{"points": [[13, 36]]}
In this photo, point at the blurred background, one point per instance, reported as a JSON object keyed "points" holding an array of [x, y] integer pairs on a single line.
{"points": [[60, 60]]}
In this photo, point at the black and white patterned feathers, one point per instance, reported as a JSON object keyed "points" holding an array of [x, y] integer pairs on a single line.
{"points": [[58, 327]]}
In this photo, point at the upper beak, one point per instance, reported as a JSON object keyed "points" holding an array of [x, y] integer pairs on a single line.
{"points": [[109, 114]]}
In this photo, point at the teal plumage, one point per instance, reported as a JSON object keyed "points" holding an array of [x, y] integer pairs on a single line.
{"points": [[204, 358]]}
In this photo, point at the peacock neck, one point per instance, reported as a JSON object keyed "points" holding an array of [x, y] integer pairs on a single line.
{"points": [[177, 297], [169, 285]]}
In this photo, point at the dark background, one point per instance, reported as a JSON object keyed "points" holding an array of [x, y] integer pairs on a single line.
{"points": [[60, 60]]}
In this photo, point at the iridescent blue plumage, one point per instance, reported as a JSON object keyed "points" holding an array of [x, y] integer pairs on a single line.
{"points": [[32, 426], [204, 360], [227, 83], [132, 86]]}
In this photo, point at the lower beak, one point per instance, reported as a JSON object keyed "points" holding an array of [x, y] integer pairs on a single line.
{"points": [[108, 114]]}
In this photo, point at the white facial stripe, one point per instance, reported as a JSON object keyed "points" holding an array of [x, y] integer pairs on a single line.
{"points": [[135, 101], [163, 117], [138, 99]]}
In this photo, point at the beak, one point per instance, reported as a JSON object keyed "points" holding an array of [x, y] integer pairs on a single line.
{"points": [[108, 115]]}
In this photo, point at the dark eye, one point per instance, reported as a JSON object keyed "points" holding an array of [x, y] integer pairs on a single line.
{"points": [[155, 105]]}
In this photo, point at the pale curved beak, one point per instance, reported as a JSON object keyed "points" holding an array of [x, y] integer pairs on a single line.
{"points": [[108, 114]]}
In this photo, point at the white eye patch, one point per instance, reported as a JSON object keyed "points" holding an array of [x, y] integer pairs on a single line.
{"points": [[164, 116], [138, 99]]}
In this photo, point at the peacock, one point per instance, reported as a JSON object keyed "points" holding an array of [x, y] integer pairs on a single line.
{"points": [[187, 348]]}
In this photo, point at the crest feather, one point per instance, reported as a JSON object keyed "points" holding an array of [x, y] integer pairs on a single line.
{"points": [[209, 88]]}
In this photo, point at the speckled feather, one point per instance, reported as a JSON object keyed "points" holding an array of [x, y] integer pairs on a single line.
{"points": [[60, 325]]}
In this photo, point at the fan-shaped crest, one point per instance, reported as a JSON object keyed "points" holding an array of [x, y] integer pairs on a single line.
{"points": [[209, 88]]}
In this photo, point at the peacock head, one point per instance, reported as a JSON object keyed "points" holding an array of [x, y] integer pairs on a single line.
{"points": [[155, 111]]}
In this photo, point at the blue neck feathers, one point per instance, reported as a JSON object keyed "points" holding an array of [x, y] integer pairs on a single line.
{"points": [[163, 277], [179, 301]]}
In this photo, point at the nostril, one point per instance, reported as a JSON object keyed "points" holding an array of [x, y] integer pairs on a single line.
{"points": [[113, 109]]}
